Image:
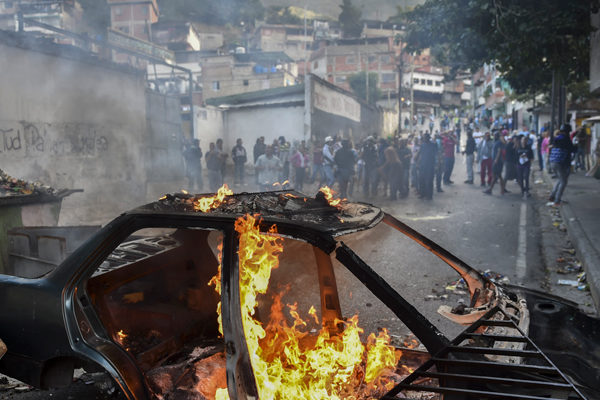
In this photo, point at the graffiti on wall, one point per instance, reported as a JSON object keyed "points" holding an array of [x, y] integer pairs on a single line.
{"points": [[38, 139]]}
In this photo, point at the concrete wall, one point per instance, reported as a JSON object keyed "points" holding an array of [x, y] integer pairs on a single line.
{"points": [[208, 125], [74, 124], [270, 121]]}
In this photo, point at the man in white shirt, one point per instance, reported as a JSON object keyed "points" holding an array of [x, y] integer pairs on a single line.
{"points": [[268, 167]]}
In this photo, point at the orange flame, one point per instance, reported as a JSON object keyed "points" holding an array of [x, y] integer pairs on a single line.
{"points": [[329, 196], [205, 204], [285, 365]]}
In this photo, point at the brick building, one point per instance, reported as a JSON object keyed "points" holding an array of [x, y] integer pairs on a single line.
{"points": [[134, 17], [337, 61]]}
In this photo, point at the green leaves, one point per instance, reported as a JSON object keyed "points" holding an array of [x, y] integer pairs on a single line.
{"points": [[515, 34]]}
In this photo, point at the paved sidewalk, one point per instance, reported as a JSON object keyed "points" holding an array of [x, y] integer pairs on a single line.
{"points": [[581, 213]]}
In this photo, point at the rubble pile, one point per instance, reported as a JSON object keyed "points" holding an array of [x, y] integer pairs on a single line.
{"points": [[196, 376], [10, 186]]}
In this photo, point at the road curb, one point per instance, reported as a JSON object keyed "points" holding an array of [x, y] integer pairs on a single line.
{"points": [[586, 252]]}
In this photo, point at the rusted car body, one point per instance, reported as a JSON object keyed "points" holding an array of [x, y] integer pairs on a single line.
{"points": [[517, 343]]}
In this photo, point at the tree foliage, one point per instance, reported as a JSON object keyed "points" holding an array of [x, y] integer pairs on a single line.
{"points": [[358, 84], [350, 20], [214, 12], [526, 39]]}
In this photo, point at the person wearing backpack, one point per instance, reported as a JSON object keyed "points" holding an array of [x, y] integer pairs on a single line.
{"points": [[561, 149]]}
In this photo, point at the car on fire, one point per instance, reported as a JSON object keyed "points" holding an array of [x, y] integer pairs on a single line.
{"points": [[261, 295]]}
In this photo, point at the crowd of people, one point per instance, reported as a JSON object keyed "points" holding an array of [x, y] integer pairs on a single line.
{"points": [[392, 166]]}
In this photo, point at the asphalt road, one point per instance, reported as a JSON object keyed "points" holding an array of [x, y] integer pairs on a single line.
{"points": [[504, 234]]}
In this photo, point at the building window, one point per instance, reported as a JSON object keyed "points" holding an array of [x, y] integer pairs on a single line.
{"points": [[118, 11], [438, 83], [246, 82], [416, 80], [429, 82], [340, 79], [422, 81], [351, 60], [216, 86], [372, 59], [388, 77], [316, 65], [8, 4], [145, 10], [385, 59]]}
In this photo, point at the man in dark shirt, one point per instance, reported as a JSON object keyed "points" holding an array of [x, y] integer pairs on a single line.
{"points": [[404, 155], [345, 161], [238, 155], [497, 163], [370, 156], [192, 156], [470, 156], [426, 164]]}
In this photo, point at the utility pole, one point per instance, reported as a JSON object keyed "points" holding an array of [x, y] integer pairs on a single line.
{"points": [[412, 96], [400, 94], [305, 41], [367, 69]]}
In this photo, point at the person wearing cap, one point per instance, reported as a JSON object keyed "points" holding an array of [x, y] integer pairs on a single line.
{"points": [[561, 150], [328, 161]]}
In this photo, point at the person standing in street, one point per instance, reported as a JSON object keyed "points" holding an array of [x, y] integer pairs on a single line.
{"points": [[414, 168], [299, 161], [345, 159], [317, 165], [369, 156], [392, 170], [404, 155], [561, 149], [268, 166], [470, 156], [193, 165], [213, 165], [545, 150], [223, 156], [449, 144], [239, 157], [524, 157], [284, 157], [511, 160], [497, 164], [484, 156], [426, 162], [439, 162], [328, 162]]}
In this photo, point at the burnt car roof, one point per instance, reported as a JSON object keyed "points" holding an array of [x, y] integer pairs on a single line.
{"points": [[278, 206]]}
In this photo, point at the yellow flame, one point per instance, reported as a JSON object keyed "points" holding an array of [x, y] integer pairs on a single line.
{"points": [[286, 365], [206, 204], [328, 192], [184, 191], [216, 282]]}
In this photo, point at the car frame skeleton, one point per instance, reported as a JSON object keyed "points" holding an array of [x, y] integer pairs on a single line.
{"points": [[495, 357]]}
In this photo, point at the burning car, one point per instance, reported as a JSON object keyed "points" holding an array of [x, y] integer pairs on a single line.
{"points": [[256, 295]]}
